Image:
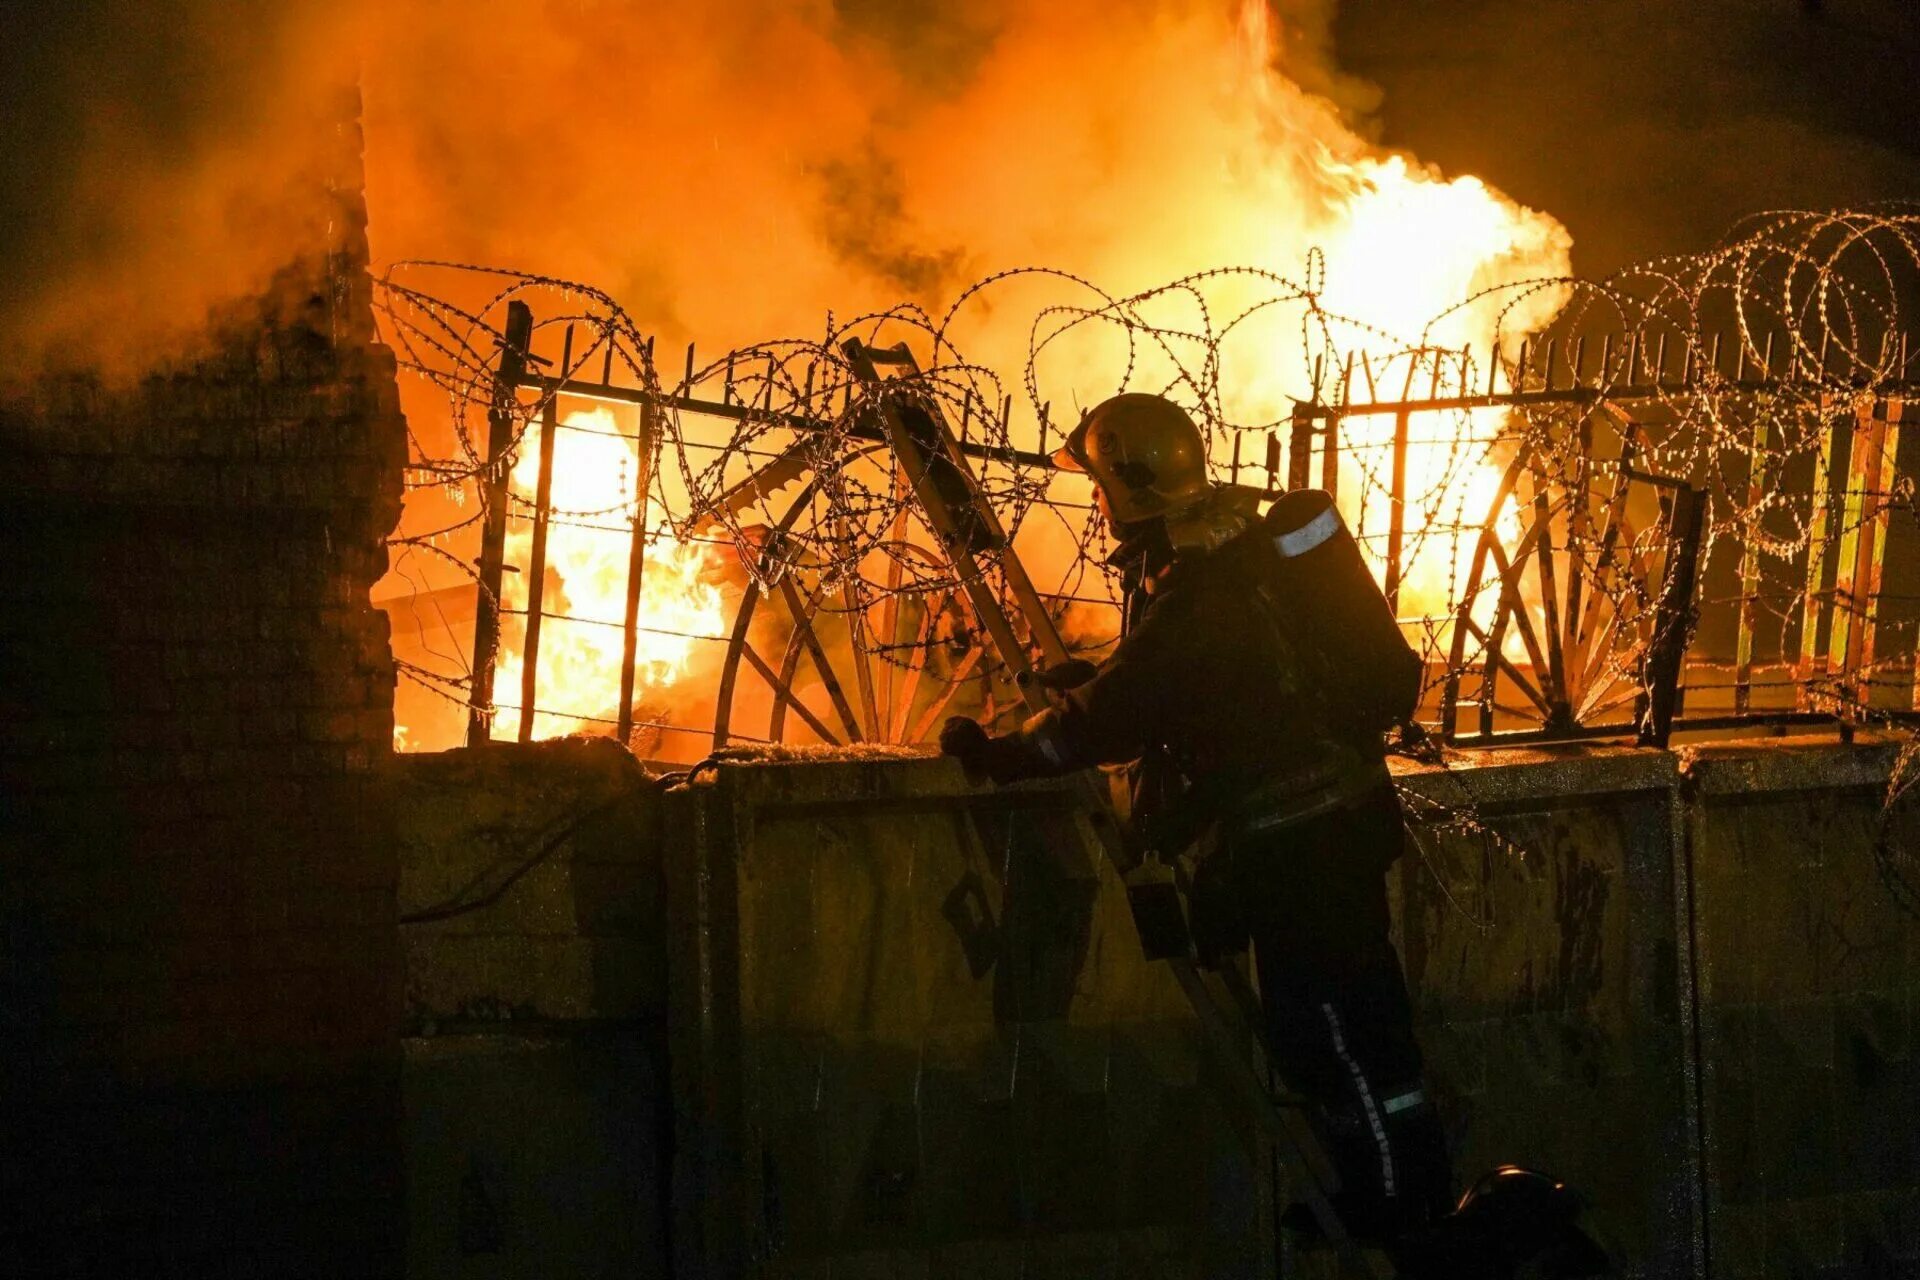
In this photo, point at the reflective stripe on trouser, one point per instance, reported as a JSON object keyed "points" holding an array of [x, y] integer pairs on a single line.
{"points": [[1376, 1127], [1353, 1059]]}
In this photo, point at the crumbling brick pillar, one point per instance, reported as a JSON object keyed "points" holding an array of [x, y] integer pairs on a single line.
{"points": [[198, 976]]}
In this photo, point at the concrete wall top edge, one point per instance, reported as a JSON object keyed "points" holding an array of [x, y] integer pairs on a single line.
{"points": [[1786, 765], [1519, 776], [1528, 775], [826, 779]]}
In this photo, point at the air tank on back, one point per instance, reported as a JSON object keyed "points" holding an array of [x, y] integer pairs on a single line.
{"points": [[1337, 614]]}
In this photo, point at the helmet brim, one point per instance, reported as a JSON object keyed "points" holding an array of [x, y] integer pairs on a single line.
{"points": [[1069, 457]]}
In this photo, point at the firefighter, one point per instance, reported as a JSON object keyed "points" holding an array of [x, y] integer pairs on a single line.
{"points": [[1277, 772]]}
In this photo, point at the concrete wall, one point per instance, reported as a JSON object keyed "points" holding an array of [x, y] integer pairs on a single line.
{"points": [[1677, 981], [1808, 978], [1545, 962], [534, 977], [198, 989], [913, 1036]]}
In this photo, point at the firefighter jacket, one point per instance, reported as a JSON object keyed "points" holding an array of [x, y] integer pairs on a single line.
{"points": [[1209, 676]]}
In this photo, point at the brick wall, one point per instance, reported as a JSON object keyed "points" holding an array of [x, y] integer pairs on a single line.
{"points": [[199, 989]]}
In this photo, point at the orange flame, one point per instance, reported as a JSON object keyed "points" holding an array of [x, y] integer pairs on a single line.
{"points": [[581, 634], [1127, 144]]}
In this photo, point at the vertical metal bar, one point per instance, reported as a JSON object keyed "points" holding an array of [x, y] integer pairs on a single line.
{"points": [[1330, 453], [1817, 531], [1874, 442], [1555, 682], [853, 599], [636, 563], [890, 606], [1673, 618], [537, 566], [493, 529], [1880, 513], [1757, 482], [1579, 530], [1841, 655], [1397, 509], [1300, 447]]}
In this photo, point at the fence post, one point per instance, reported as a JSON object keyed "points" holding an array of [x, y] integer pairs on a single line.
{"points": [[636, 563], [537, 568], [1397, 510], [1673, 617], [1757, 483], [1300, 446], [1330, 452], [493, 532], [1870, 482], [1817, 538]]}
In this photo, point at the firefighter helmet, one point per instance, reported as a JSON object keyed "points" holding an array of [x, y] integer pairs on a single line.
{"points": [[1534, 1219], [1144, 453]]}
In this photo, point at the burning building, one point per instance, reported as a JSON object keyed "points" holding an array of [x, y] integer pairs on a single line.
{"points": [[467, 795]]}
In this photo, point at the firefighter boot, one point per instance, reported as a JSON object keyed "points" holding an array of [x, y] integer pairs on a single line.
{"points": [[1391, 1155]]}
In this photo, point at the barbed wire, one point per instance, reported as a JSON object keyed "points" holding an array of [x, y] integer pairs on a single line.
{"points": [[1552, 415]]}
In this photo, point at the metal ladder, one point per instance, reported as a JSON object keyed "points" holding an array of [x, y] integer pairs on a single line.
{"points": [[977, 544]]}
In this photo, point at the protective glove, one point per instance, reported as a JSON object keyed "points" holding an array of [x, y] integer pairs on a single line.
{"points": [[967, 742], [986, 758]]}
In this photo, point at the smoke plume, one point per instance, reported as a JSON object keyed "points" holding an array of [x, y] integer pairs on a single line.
{"points": [[729, 171]]}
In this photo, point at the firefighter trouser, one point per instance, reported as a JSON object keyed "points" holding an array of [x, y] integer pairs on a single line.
{"points": [[1314, 900]]}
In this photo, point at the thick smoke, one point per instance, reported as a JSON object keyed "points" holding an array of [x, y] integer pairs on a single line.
{"points": [[728, 170], [162, 160]]}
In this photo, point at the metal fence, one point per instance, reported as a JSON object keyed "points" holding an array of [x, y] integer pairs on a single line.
{"points": [[1675, 507]]}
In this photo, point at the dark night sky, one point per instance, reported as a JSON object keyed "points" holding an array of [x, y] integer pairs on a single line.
{"points": [[1647, 126]]}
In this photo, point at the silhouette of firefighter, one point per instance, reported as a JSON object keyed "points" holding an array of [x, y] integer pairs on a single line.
{"points": [[1253, 691]]}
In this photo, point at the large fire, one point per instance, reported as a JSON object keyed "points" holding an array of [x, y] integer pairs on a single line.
{"points": [[1130, 144], [581, 636]]}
